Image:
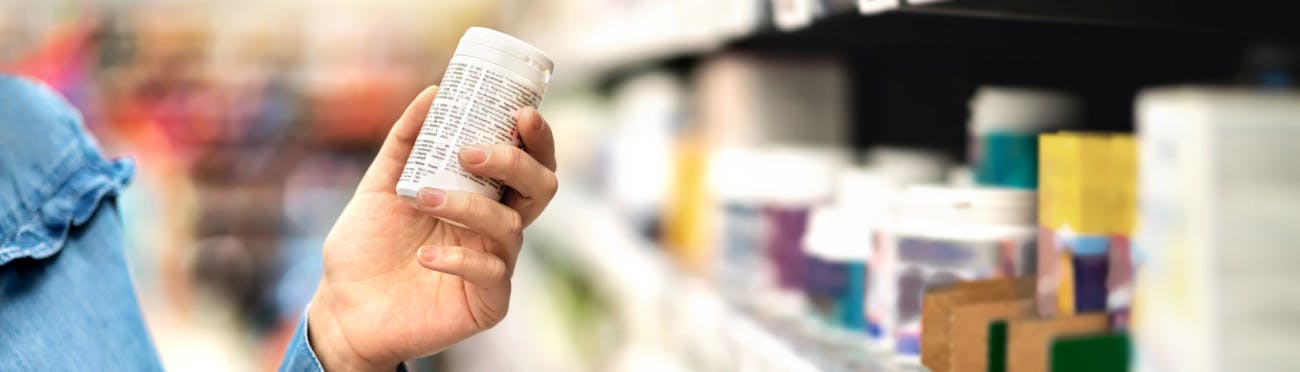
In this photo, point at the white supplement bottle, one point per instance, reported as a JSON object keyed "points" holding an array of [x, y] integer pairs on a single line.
{"points": [[490, 77]]}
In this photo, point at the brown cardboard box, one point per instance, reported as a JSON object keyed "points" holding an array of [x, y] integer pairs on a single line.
{"points": [[1028, 340], [937, 306], [969, 336]]}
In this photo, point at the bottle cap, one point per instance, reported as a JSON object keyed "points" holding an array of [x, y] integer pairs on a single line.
{"points": [[971, 206], [509, 45], [801, 175], [1021, 109]]}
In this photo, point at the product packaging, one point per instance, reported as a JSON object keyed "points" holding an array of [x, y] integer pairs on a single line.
{"points": [[490, 77]]}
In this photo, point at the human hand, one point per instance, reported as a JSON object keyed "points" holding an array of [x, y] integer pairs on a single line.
{"points": [[400, 283]]}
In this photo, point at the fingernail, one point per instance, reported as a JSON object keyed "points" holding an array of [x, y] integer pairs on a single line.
{"points": [[474, 154], [431, 197], [428, 254], [538, 122]]}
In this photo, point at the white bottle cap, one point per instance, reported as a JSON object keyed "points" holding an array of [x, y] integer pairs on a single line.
{"points": [[968, 213], [737, 174], [801, 176], [837, 235], [864, 189], [1021, 109], [901, 166], [507, 51]]}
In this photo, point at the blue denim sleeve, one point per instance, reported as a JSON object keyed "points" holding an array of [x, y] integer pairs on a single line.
{"points": [[66, 300], [299, 357]]}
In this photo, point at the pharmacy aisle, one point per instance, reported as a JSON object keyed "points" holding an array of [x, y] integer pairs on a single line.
{"points": [[876, 186], [745, 185]]}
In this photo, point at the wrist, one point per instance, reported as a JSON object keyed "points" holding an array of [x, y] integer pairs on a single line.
{"points": [[331, 345]]}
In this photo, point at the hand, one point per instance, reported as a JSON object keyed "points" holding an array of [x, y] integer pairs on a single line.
{"points": [[399, 283]]}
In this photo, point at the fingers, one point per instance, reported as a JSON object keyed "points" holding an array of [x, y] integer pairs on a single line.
{"points": [[537, 137], [387, 167], [511, 165], [480, 268], [530, 171], [532, 181], [484, 216]]}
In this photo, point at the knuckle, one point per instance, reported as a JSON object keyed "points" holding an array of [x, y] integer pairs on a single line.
{"points": [[469, 203], [515, 158], [453, 257], [497, 272], [515, 223], [552, 184]]}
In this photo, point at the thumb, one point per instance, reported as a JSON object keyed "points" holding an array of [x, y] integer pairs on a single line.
{"points": [[388, 164]]}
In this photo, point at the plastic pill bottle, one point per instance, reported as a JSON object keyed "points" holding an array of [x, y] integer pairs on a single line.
{"points": [[490, 77], [798, 178], [1004, 127]]}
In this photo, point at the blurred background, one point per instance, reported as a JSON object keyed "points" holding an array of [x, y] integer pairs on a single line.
{"points": [[746, 184]]}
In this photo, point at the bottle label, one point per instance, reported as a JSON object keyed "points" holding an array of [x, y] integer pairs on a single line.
{"points": [[475, 104]]}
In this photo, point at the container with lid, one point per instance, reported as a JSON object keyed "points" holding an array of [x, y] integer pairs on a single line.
{"points": [[490, 77], [1087, 208], [946, 235], [734, 177], [796, 179], [875, 191], [1004, 124], [838, 247]]}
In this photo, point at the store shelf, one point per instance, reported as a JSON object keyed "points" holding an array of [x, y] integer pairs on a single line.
{"points": [[1125, 31], [913, 68], [1250, 17], [680, 315]]}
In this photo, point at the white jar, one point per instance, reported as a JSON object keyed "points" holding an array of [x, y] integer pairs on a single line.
{"points": [[945, 235], [490, 77]]}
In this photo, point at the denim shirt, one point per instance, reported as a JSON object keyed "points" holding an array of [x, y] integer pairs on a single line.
{"points": [[66, 301]]}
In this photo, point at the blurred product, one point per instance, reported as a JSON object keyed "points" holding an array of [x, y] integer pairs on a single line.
{"points": [[876, 6], [901, 166], [799, 178], [687, 224], [1123, 223], [969, 338], [960, 176], [1219, 190], [1086, 209], [1029, 340], [638, 174], [748, 100], [1268, 66], [880, 194], [1106, 352], [948, 235], [796, 14], [491, 77], [838, 247], [863, 206], [735, 179], [941, 305], [1004, 127]]}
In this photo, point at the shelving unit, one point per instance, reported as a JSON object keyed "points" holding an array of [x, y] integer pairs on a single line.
{"points": [[912, 71], [1104, 20], [675, 313], [252, 122], [908, 61]]}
